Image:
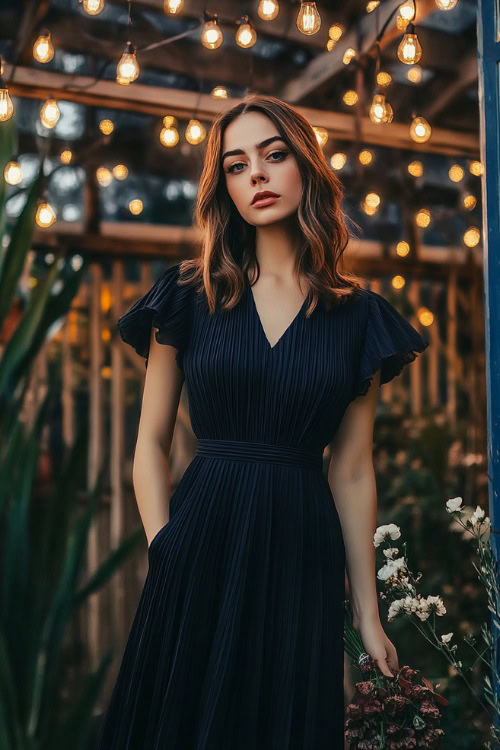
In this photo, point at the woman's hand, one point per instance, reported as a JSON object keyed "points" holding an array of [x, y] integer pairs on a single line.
{"points": [[378, 645]]}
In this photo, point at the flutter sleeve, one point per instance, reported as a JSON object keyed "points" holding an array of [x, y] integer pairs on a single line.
{"points": [[165, 307], [390, 342]]}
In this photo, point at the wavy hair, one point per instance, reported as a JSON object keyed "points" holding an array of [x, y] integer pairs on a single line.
{"points": [[228, 241]]}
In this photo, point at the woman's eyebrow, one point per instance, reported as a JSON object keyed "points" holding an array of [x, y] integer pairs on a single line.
{"points": [[257, 146]]}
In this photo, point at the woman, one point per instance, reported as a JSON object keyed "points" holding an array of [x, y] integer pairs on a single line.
{"points": [[238, 638]]}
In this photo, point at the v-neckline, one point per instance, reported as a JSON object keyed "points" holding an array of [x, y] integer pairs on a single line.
{"points": [[259, 321]]}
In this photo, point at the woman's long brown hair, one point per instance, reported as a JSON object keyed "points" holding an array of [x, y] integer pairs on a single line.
{"points": [[228, 241]]}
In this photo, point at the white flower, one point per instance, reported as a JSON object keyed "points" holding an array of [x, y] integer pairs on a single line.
{"points": [[454, 504], [478, 515], [436, 605], [387, 531], [391, 568], [390, 552], [395, 610], [447, 638], [423, 610]]}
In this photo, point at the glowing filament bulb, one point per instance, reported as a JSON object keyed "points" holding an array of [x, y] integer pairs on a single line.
{"points": [[446, 4], [349, 55], [372, 5], [43, 50], [93, 7], [173, 7], [66, 156], [407, 11], [6, 106], [219, 92], [472, 237], [456, 173], [45, 215], [350, 98], [104, 176], [13, 173], [136, 206], [415, 74], [338, 161], [195, 132], [308, 19], [380, 110], [127, 69], [335, 32], [470, 202], [49, 114], [409, 50], [365, 157], [169, 136], [120, 171], [106, 127], [211, 36], [268, 9], [420, 130], [402, 248], [383, 78], [423, 218], [416, 168], [246, 35]]}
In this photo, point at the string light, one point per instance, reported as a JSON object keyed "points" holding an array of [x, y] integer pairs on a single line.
{"points": [[470, 202], [308, 18], [335, 32], [414, 74], [106, 127], [321, 135], [195, 132], [135, 206], [383, 79], [416, 168], [472, 237], [169, 135], [398, 281], [173, 7], [349, 55], [13, 174], [446, 4], [402, 248], [45, 215], [66, 156], [50, 113], [127, 69], [219, 92], [380, 110], [120, 171], [456, 173], [372, 5], [371, 203], [410, 50], [476, 168], [365, 157], [43, 50], [268, 9], [246, 36], [350, 98], [338, 161], [420, 130], [407, 11], [211, 36], [104, 176], [425, 317], [93, 7], [6, 106], [423, 218]]}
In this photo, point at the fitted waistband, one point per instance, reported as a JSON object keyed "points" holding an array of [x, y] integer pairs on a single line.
{"points": [[243, 450]]}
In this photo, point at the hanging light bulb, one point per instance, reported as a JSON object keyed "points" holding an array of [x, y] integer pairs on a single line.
{"points": [[106, 127], [420, 130], [365, 157], [338, 161], [398, 281], [268, 9], [456, 173], [219, 92], [380, 110], [372, 5], [93, 7], [6, 106], [173, 7], [195, 132], [104, 176], [446, 4], [409, 50], [349, 55], [169, 135], [211, 36], [384, 78], [414, 74], [45, 215], [50, 114], [127, 69], [472, 237], [407, 11], [416, 168], [43, 50], [246, 36], [470, 202], [135, 206], [120, 171], [66, 156], [308, 19], [350, 98], [402, 248], [335, 32], [13, 174], [423, 218]]}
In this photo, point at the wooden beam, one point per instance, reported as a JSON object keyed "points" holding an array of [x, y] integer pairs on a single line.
{"points": [[156, 100], [466, 76]]}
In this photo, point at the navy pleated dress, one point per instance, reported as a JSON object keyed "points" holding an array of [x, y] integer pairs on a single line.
{"points": [[237, 643]]}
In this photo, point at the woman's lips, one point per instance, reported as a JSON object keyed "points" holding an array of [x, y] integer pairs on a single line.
{"points": [[265, 201]]}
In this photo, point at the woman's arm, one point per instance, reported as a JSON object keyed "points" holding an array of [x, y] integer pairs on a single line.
{"points": [[351, 477], [160, 401]]}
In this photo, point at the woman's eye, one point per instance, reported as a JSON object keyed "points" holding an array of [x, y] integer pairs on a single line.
{"points": [[281, 154]]}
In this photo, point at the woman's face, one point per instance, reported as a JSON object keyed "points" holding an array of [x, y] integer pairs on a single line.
{"points": [[252, 169]]}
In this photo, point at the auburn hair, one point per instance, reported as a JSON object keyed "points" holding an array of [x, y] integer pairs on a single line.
{"points": [[228, 241]]}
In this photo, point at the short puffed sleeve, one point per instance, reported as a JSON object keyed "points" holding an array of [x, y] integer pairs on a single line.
{"points": [[166, 306], [390, 342]]}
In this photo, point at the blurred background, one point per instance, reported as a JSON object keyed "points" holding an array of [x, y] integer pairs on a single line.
{"points": [[104, 110]]}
